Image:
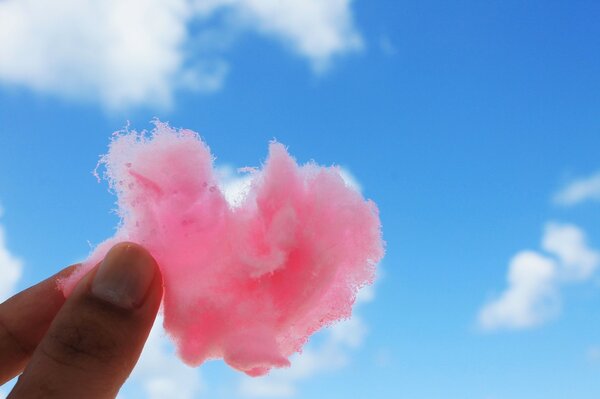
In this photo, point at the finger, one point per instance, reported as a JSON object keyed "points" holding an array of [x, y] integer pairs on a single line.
{"points": [[97, 336], [24, 319]]}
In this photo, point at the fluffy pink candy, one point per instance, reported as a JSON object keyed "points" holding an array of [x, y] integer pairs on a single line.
{"points": [[251, 283]]}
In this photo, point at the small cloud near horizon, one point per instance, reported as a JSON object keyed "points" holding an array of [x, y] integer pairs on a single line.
{"points": [[532, 295]]}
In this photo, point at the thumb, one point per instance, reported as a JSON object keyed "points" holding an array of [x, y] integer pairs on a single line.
{"points": [[96, 338]]}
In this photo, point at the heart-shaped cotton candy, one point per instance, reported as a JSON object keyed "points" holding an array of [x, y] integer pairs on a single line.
{"points": [[249, 283]]}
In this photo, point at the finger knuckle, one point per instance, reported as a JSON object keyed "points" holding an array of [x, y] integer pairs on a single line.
{"points": [[81, 345]]}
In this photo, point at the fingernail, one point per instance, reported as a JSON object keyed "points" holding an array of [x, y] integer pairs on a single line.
{"points": [[124, 276]]}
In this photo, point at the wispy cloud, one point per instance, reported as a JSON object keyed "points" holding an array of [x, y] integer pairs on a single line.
{"points": [[387, 47], [11, 267], [593, 354], [534, 279], [140, 52], [580, 190]]}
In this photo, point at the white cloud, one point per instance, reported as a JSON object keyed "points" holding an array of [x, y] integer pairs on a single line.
{"points": [[139, 52], [568, 243], [530, 298], [534, 280], [316, 29], [160, 373], [11, 268], [120, 52], [578, 191]]}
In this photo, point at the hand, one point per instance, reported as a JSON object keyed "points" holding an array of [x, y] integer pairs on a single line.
{"points": [[87, 345]]}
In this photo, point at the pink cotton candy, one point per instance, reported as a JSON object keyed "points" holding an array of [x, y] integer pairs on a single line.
{"points": [[250, 283]]}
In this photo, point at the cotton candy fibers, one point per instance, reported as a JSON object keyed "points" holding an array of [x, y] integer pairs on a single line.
{"points": [[250, 283]]}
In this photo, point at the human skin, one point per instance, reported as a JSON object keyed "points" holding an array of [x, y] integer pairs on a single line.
{"points": [[84, 346]]}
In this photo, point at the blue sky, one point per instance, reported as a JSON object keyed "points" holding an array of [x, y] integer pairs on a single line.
{"points": [[473, 125]]}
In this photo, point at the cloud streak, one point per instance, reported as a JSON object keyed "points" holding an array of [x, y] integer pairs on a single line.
{"points": [[579, 191]]}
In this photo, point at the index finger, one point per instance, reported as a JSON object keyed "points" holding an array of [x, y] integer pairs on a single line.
{"points": [[24, 319]]}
